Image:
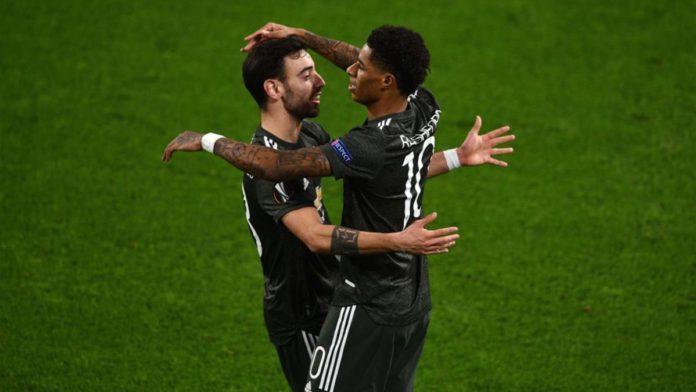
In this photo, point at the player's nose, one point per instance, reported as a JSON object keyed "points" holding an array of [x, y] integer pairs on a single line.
{"points": [[351, 69], [319, 82]]}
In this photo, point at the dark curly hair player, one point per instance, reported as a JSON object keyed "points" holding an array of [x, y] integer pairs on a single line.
{"points": [[402, 52]]}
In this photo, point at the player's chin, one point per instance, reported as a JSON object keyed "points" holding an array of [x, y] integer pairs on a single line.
{"points": [[359, 98], [355, 97]]}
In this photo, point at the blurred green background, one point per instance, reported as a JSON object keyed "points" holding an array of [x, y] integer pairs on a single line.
{"points": [[576, 268]]}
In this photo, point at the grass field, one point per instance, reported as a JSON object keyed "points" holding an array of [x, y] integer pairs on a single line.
{"points": [[576, 268]]}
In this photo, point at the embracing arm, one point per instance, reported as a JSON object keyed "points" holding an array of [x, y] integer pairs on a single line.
{"points": [[340, 53], [475, 150], [274, 165], [306, 225], [259, 161]]}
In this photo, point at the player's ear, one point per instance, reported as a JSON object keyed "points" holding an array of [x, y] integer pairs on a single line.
{"points": [[388, 81], [273, 88]]}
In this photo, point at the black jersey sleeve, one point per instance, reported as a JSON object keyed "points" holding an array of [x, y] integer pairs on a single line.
{"points": [[277, 199], [357, 154], [317, 132]]}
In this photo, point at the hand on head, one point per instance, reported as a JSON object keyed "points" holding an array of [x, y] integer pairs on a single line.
{"points": [[269, 31]]}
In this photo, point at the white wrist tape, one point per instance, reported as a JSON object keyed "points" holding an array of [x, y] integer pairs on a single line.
{"points": [[208, 141], [452, 159]]}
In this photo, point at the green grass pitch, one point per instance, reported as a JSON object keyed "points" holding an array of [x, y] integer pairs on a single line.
{"points": [[576, 267]]}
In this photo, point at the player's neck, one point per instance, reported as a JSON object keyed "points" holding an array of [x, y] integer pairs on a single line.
{"points": [[281, 124], [388, 104]]}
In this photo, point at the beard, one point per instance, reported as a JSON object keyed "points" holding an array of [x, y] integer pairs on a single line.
{"points": [[299, 108]]}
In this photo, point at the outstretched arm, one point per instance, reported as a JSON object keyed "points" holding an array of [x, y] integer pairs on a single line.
{"points": [[338, 52], [306, 225], [262, 162], [475, 150]]}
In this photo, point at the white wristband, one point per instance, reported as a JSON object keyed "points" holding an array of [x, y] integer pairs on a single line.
{"points": [[452, 159], [208, 141]]}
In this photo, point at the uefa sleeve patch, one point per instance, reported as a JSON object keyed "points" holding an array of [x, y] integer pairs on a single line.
{"points": [[341, 150]]}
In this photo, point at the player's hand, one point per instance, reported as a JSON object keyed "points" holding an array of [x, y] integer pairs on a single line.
{"points": [[186, 141], [268, 31], [417, 239], [479, 149]]}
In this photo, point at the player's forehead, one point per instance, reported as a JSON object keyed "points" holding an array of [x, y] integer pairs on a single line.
{"points": [[364, 56], [296, 63]]}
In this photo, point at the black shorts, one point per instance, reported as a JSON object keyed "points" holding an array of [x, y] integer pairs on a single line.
{"points": [[295, 358], [355, 354]]}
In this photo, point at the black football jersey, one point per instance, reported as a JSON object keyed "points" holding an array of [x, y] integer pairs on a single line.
{"points": [[384, 165], [298, 284]]}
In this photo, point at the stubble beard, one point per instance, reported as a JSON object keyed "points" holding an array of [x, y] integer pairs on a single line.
{"points": [[298, 108]]}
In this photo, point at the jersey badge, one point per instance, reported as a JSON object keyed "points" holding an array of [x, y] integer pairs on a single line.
{"points": [[341, 150], [318, 203]]}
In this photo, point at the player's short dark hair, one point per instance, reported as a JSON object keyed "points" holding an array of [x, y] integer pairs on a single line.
{"points": [[266, 61], [402, 52]]}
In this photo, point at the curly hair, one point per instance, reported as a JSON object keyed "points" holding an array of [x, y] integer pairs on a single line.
{"points": [[265, 62], [402, 52]]}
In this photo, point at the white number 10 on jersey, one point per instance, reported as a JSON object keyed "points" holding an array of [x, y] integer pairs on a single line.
{"points": [[411, 207]]}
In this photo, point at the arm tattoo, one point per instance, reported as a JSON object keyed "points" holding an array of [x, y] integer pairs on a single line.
{"points": [[307, 162], [344, 241], [340, 53], [274, 165]]}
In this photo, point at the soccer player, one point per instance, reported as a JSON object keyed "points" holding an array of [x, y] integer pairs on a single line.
{"points": [[376, 325]]}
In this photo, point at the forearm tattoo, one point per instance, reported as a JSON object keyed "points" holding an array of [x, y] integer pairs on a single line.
{"points": [[344, 241], [338, 52], [274, 165]]}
